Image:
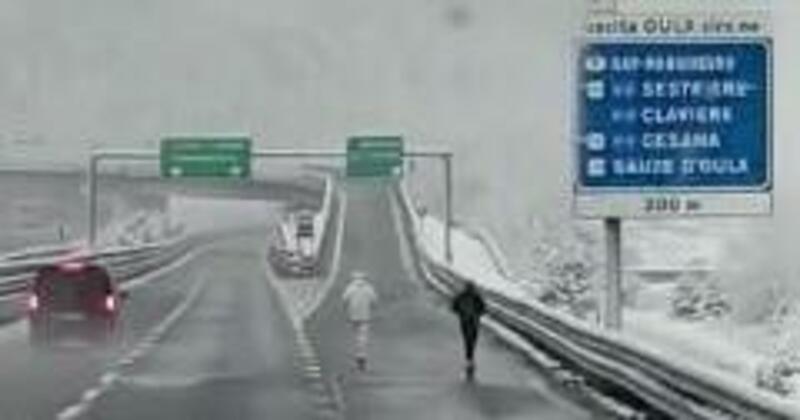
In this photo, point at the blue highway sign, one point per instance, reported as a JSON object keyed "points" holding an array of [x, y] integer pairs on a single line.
{"points": [[675, 116]]}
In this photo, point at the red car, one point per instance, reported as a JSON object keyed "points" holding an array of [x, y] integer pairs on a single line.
{"points": [[73, 299]]}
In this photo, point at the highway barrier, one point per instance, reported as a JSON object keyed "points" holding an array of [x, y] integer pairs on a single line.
{"points": [[608, 361], [124, 263], [116, 234], [303, 263], [127, 262]]}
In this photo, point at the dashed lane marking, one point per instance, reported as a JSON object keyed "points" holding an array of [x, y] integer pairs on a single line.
{"points": [[299, 307], [109, 378], [72, 412], [89, 396]]}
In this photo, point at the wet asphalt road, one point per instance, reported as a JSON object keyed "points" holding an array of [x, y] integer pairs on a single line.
{"points": [[415, 366], [212, 340]]}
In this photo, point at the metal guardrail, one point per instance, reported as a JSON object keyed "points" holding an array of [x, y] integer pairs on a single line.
{"points": [[323, 216], [134, 222], [124, 263], [38, 252], [608, 361]]}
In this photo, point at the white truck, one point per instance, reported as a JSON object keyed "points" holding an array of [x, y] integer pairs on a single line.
{"points": [[293, 251]]}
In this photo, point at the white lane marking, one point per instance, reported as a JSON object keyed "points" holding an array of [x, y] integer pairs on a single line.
{"points": [[308, 360], [166, 324], [90, 395], [147, 278], [109, 378], [147, 345], [136, 353], [72, 412], [125, 362]]}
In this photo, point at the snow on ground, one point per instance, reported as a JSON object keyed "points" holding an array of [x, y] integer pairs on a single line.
{"points": [[671, 246], [715, 343], [470, 257], [210, 214], [136, 228], [725, 350]]}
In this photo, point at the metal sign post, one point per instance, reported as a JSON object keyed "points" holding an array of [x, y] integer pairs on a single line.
{"points": [[447, 161], [95, 159], [448, 240], [612, 299]]}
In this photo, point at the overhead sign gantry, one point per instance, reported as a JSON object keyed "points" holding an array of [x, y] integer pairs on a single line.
{"points": [[230, 157]]}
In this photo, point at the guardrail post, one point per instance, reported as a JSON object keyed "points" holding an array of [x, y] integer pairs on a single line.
{"points": [[612, 299]]}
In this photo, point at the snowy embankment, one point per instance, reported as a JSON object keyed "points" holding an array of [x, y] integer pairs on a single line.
{"points": [[717, 349], [137, 229]]}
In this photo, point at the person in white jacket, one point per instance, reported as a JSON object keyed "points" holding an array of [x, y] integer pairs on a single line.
{"points": [[359, 297]]}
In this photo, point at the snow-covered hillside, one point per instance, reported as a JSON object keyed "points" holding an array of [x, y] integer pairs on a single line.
{"points": [[490, 80]]}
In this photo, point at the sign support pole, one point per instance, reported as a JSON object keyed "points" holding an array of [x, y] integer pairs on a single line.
{"points": [[447, 160], [612, 299], [91, 196], [448, 231]]}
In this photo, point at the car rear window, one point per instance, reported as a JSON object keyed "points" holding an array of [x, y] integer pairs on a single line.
{"points": [[61, 290]]}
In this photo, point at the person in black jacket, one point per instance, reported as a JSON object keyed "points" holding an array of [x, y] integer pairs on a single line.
{"points": [[469, 306]]}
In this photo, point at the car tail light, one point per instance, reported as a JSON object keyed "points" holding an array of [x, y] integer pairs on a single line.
{"points": [[33, 302], [110, 303], [72, 266]]}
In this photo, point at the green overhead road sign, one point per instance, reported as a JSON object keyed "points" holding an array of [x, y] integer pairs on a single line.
{"points": [[211, 157], [374, 156]]}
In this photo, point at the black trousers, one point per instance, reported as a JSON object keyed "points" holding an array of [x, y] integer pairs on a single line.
{"points": [[469, 333]]}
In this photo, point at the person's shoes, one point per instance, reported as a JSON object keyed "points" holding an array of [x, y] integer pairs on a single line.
{"points": [[361, 364], [470, 371]]}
